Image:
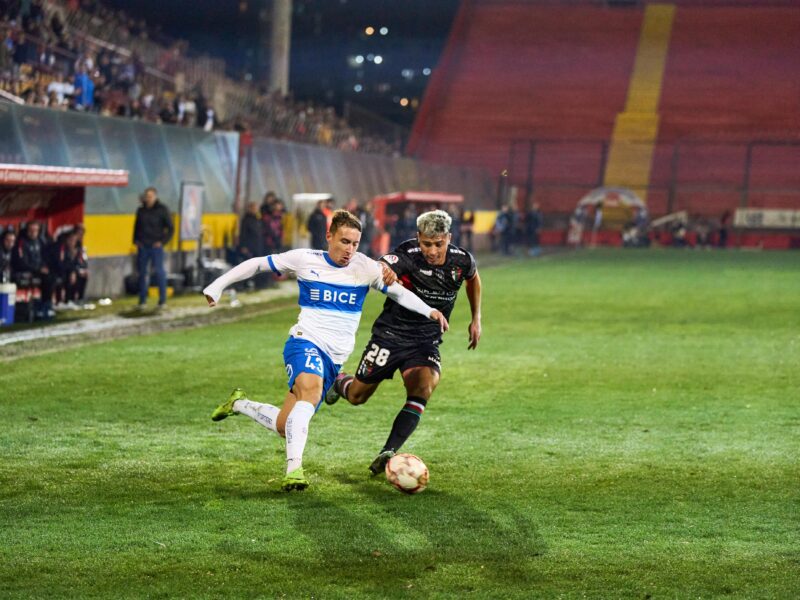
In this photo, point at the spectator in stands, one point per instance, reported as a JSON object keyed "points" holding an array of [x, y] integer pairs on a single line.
{"points": [[317, 225], [24, 52], [7, 255], [533, 223], [31, 269], [152, 230], [251, 234], [72, 269], [84, 90], [6, 54], [62, 89]]}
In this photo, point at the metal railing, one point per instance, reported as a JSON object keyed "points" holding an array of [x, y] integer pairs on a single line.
{"points": [[740, 174]]}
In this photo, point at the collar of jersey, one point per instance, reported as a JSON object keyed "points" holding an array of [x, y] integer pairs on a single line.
{"points": [[330, 261]]}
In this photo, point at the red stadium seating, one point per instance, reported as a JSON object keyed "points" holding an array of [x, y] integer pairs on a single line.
{"points": [[729, 132]]}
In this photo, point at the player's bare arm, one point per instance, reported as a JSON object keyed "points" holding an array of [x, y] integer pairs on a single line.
{"points": [[389, 276], [474, 297]]}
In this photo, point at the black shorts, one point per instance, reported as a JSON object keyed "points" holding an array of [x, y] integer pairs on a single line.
{"points": [[382, 358]]}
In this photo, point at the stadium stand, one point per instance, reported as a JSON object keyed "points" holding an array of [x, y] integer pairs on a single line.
{"points": [[139, 73], [693, 105]]}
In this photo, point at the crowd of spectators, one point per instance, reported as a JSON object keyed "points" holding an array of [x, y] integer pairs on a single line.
{"points": [[51, 271], [45, 61]]}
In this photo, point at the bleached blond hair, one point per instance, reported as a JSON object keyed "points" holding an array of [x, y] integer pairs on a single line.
{"points": [[434, 222]]}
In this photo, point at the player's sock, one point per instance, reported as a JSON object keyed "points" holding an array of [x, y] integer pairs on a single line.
{"points": [[297, 433], [405, 422], [263, 414], [342, 384]]}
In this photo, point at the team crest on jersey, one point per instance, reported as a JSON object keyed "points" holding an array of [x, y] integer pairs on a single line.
{"points": [[390, 258], [456, 273]]}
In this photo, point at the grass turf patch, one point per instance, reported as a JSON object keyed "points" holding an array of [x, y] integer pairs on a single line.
{"points": [[628, 427]]}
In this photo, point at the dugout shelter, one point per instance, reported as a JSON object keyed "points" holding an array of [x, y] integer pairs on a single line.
{"points": [[388, 208], [54, 196]]}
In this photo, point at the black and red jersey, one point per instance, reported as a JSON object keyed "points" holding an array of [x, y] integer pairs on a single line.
{"points": [[437, 285]]}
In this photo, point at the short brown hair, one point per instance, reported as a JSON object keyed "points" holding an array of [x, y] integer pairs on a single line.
{"points": [[344, 218]]}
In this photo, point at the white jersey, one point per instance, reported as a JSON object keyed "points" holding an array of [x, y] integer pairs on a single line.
{"points": [[331, 297]]}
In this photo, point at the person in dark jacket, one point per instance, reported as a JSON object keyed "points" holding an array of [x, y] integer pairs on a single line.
{"points": [[153, 229], [318, 226], [251, 234], [30, 265], [7, 255], [72, 268]]}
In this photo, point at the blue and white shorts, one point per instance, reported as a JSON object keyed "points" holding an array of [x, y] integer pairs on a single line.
{"points": [[301, 356]]}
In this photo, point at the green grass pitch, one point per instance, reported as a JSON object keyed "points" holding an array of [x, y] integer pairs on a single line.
{"points": [[628, 427]]}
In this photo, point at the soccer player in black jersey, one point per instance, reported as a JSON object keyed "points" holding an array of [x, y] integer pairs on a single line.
{"points": [[434, 270]]}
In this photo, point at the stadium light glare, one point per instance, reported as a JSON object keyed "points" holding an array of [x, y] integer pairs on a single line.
{"points": [[426, 71], [369, 30], [358, 88], [384, 30], [359, 59], [370, 57], [403, 101], [378, 59]]}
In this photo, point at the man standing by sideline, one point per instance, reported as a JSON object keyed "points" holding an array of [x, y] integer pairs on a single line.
{"points": [[152, 231]]}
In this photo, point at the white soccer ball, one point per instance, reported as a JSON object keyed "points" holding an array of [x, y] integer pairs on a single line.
{"points": [[407, 473]]}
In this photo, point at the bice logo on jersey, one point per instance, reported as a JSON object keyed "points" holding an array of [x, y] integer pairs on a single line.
{"points": [[328, 296], [340, 297]]}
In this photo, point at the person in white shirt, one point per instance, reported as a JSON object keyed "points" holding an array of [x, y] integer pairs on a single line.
{"points": [[333, 286]]}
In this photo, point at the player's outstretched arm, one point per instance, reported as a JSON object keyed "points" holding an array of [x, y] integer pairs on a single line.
{"points": [[409, 300], [240, 272], [474, 297]]}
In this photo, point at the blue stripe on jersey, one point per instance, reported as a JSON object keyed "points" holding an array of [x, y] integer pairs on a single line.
{"points": [[329, 296], [330, 261], [272, 264]]}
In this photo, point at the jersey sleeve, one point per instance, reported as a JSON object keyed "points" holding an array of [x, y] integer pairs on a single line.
{"points": [[285, 262], [398, 261], [375, 276], [472, 267]]}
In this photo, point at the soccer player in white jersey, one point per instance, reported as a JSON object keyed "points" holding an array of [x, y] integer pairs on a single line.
{"points": [[333, 286]]}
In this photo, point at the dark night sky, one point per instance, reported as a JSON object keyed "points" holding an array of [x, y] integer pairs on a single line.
{"points": [[324, 34]]}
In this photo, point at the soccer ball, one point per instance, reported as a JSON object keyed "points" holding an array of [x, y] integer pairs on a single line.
{"points": [[407, 473]]}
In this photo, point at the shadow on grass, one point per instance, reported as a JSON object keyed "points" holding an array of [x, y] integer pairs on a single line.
{"points": [[415, 541]]}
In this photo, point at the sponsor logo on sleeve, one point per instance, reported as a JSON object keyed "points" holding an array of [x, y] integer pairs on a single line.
{"points": [[390, 258]]}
